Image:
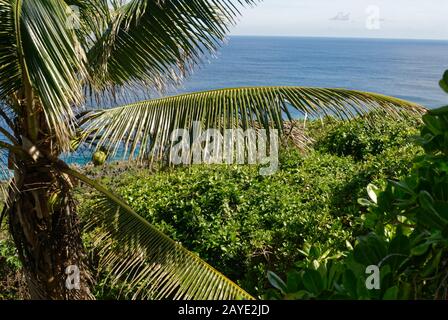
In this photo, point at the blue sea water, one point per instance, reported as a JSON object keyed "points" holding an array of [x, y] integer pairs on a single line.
{"points": [[407, 69]]}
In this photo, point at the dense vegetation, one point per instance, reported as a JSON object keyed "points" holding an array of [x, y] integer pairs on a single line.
{"points": [[245, 224], [59, 64], [408, 238], [11, 282]]}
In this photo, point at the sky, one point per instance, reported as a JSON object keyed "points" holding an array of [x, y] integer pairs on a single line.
{"points": [[402, 19]]}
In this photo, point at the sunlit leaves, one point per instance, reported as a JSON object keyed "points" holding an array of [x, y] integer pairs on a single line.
{"points": [[52, 61], [139, 127], [150, 264], [152, 43]]}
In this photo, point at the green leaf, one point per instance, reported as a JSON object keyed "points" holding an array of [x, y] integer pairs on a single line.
{"points": [[405, 291], [370, 250], [429, 215], [277, 282], [350, 283], [443, 85], [52, 61], [11, 79], [312, 281], [372, 190], [433, 123], [299, 295], [391, 293], [157, 43], [142, 258], [141, 126], [400, 244], [364, 202], [399, 250], [293, 281], [444, 82], [432, 265], [420, 249], [439, 111]]}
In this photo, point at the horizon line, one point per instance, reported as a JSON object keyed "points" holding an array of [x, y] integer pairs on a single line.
{"points": [[336, 37]]}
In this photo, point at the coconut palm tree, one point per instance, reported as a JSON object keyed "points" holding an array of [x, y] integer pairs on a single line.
{"points": [[54, 64]]}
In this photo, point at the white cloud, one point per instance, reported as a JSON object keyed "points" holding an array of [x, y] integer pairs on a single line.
{"points": [[426, 19]]}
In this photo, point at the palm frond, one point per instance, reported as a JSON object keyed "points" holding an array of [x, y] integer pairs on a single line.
{"points": [[10, 79], [8, 187], [150, 264], [157, 42], [51, 60], [139, 127], [94, 17]]}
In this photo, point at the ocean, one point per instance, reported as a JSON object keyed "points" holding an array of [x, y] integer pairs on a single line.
{"points": [[407, 69]]}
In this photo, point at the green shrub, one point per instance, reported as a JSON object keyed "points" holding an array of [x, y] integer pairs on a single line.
{"points": [[245, 224], [415, 210], [361, 137], [11, 281], [408, 239]]}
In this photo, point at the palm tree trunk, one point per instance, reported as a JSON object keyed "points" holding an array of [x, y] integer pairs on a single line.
{"points": [[46, 232]]}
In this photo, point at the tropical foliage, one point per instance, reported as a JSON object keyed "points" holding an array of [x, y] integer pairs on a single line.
{"points": [[11, 282], [143, 127], [52, 65], [408, 239], [244, 223]]}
